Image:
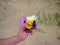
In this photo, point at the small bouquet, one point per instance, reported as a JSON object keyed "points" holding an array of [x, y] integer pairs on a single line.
{"points": [[30, 22]]}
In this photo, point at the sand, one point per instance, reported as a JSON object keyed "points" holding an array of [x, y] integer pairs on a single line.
{"points": [[11, 12]]}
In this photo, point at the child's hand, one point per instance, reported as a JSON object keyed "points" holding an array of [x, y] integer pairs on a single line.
{"points": [[22, 35]]}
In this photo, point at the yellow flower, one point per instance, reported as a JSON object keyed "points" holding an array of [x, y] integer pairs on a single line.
{"points": [[28, 26], [29, 22]]}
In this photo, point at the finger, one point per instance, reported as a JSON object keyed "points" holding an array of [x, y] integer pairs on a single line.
{"points": [[26, 34]]}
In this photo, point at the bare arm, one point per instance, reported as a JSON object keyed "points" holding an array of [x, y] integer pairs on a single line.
{"points": [[9, 41], [22, 35]]}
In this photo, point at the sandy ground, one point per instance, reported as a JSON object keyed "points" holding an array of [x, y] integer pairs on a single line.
{"points": [[11, 12]]}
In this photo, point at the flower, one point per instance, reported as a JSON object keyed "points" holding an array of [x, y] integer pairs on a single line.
{"points": [[29, 21], [27, 30], [34, 25], [23, 20], [28, 26]]}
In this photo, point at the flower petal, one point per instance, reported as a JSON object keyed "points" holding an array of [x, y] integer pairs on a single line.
{"points": [[22, 21], [34, 25]]}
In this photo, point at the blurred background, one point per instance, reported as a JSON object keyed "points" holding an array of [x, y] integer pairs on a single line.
{"points": [[11, 12]]}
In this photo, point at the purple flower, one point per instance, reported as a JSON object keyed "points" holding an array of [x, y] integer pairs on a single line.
{"points": [[22, 21], [34, 25], [27, 30]]}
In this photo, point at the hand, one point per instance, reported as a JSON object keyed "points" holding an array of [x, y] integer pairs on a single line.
{"points": [[22, 35]]}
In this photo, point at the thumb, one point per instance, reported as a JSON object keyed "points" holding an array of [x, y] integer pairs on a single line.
{"points": [[22, 29]]}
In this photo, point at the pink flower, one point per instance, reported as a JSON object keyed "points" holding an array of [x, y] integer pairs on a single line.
{"points": [[22, 21]]}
